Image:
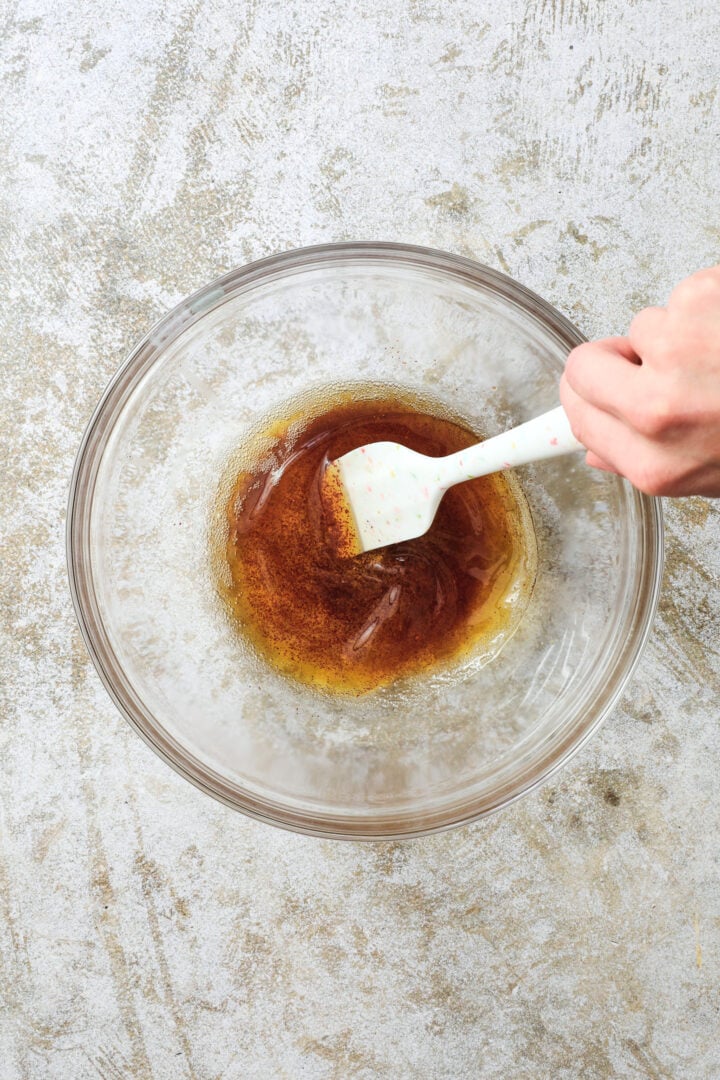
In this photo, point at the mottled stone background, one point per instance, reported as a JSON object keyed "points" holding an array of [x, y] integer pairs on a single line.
{"points": [[148, 932]]}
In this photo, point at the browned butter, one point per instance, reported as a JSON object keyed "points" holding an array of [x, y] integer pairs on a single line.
{"points": [[356, 624]]}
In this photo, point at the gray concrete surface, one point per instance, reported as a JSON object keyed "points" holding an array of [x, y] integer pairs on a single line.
{"points": [[146, 931]]}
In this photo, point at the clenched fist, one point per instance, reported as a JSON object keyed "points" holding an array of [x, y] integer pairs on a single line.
{"points": [[648, 406]]}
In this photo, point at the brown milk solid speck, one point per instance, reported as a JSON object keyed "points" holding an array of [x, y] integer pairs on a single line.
{"points": [[353, 624]]}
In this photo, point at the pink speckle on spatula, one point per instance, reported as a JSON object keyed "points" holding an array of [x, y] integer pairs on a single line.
{"points": [[426, 493], [553, 441]]}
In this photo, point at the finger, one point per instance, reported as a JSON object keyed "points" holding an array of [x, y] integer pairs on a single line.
{"points": [[596, 462], [619, 345], [602, 434], [648, 467], [603, 375], [647, 328]]}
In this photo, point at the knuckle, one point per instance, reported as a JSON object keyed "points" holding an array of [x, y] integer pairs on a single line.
{"points": [[578, 430], [707, 280], [577, 427], [700, 287], [654, 416], [651, 478], [575, 424], [574, 415], [569, 400], [577, 361]]}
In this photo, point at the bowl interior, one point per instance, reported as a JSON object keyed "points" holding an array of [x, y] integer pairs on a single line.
{"points": [[417, 756]]}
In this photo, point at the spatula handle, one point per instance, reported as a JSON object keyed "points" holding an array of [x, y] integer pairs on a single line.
{"points": [[546, 436]]}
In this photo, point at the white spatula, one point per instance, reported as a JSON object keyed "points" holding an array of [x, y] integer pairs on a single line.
{"points": [[393, 493]]}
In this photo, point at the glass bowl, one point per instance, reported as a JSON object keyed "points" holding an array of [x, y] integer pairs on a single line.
{"points": [[414, 758]]}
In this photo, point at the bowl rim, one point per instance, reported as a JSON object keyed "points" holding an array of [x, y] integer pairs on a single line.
{"points": [[395, 825]]}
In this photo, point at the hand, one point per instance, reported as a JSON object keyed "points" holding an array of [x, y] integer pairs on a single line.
{"points": [[648, 406]]}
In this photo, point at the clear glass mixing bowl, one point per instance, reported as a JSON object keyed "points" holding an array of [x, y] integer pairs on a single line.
{"points": [[408, 760]]}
